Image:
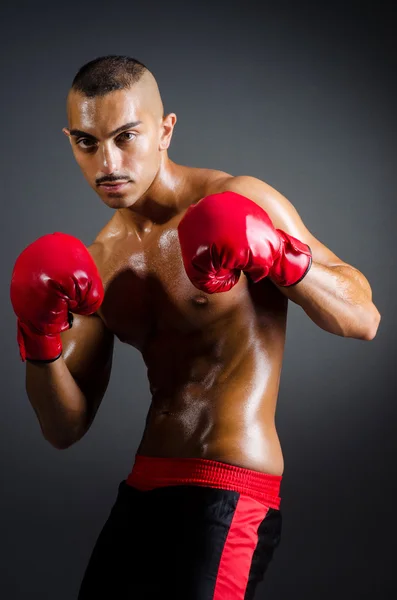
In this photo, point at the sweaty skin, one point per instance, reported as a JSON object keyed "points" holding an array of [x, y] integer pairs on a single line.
{"points": [[213, 360]]}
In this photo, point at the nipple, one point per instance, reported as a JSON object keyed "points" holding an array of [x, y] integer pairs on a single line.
{"points": [[200, 299]]}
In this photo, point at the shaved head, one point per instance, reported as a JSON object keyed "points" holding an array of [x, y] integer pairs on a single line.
{"points": [[108, 74], [117, 127], [146, 96], [111, 73]]}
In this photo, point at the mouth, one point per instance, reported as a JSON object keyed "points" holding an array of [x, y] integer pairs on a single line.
{"points": [[114, 187]]}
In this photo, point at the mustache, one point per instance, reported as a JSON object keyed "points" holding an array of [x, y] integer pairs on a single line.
{"points": [[111, 179]]}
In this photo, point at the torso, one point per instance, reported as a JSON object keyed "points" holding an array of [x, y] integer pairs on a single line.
{"points": [[213, 360]]}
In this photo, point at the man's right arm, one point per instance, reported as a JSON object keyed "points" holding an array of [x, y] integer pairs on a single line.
{"points": [[66, 394]]}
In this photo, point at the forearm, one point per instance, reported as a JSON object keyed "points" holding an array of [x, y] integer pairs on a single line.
{"points": [[338, 299], [58, 402]]}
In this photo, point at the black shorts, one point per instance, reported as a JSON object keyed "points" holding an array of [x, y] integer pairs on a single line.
{"points": [[190, 529]]}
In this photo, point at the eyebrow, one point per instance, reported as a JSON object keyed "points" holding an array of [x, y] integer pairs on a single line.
{"points": [[80, 133]]}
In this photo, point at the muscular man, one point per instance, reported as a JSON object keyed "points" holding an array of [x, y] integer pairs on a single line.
{"points": [[195, 269]]}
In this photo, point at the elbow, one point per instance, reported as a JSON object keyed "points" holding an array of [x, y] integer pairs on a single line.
{"points": [[60, 444], [372, 326], [62, 437]]}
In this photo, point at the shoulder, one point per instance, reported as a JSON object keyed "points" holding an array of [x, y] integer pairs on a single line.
{"points": [[244, 183], [282, 212], [115, 228], [207, 181], [279, 208]]}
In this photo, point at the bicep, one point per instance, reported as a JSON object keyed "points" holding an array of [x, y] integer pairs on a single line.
{"points": [[88, 352]]}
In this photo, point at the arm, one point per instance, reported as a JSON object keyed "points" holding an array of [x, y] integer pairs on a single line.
{"points": [[335, 295], [66, 394]]}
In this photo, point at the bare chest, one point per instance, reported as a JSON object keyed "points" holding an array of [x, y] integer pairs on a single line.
{"points": [[149, 296]]}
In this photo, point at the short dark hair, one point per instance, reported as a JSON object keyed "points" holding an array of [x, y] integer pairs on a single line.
{"points": [[107, 74]]}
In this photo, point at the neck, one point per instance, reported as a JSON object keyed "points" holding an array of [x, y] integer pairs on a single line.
{"points": [[160, 202]]}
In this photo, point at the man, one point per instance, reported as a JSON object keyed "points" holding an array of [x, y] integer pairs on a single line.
{"points": [[195, 269]]}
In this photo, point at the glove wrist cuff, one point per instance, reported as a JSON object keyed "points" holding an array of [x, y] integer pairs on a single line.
{"points": [[293, 262], [37, 347]]}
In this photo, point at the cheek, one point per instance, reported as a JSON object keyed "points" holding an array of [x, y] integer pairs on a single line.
{"points": [[86, 165], [143, 152], [80, 160], [147, 145]]}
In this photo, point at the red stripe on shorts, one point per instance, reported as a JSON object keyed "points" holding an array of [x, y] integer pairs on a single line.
{"points": [[241, 541]]}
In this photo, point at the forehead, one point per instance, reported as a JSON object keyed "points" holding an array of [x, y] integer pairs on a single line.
{"points": [[101, 114]]}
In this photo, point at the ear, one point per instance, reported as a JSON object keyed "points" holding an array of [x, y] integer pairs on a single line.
{"points": [[67, 133], [167, 130]]}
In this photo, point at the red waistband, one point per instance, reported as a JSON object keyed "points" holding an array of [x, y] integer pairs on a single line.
{"points": [[152, 472]]}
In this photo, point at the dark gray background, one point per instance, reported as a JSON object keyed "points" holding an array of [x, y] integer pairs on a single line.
{"points": [[301, 96]]}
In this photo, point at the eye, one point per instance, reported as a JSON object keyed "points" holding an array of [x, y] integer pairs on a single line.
{"points": [[85, 143], [126, 136]]}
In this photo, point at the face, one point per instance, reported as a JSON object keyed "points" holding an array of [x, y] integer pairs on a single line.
{"points": [[118, 140]]}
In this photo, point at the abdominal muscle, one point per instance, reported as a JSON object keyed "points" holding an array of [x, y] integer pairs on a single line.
{"points": [[227, 415]]}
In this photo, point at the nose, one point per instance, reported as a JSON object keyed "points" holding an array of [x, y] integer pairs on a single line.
{"points": [[109, 159]]}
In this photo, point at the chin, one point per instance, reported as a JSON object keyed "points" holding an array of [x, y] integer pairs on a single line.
{"points": [[118, 200], [128, 201], [118, 203]]}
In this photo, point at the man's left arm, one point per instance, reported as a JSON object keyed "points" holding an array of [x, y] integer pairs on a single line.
{"points": [[335, 295]]}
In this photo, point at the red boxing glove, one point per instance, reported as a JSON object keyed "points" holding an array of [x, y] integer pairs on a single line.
{"points": [[224, 234], [52, 276]]}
